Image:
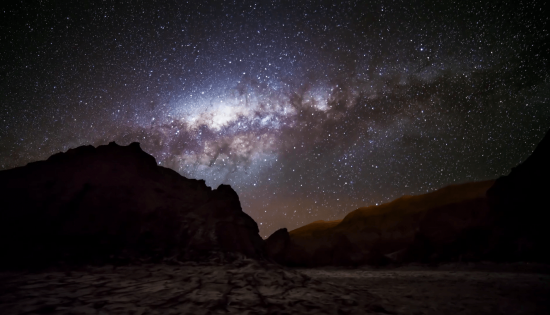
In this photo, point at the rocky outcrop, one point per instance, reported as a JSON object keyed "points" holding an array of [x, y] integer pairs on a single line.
{"points": [[277, 244], [95, 204], [502, 220], [520, 204]]}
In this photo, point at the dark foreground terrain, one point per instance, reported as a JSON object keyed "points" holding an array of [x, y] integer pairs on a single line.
{"points": [[451, 289], [249, 287]]}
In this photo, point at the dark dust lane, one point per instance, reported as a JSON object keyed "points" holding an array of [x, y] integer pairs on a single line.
{"points": [[425, 291]]}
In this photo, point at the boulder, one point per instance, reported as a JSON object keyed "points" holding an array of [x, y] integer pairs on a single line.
{"points": [[92, 204]]}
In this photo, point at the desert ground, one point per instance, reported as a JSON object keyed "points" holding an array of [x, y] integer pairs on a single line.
{"points": [[481, 288], [250, 287]]}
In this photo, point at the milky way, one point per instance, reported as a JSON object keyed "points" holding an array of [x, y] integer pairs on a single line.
{"points": [[307, 109]]}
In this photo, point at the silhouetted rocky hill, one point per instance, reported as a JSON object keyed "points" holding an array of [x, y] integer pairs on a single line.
{"points": [[521, 207], [114, 202], [502, 220]]}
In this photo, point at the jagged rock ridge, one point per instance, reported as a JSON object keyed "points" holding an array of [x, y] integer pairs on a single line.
{"points": [[92, 204]]}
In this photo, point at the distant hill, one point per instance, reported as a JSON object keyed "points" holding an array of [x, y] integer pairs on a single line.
{"points": [[388, 214], [370, 235], [498, 220]]}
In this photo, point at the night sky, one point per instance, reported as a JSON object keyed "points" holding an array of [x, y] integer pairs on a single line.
{"points": [[307, 109]]}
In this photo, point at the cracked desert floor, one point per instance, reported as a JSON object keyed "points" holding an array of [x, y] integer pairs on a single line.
{"points": [[451, 289], [250, 287]]}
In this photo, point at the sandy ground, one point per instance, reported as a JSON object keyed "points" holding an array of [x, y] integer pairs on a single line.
{"points": [[250, 287]]}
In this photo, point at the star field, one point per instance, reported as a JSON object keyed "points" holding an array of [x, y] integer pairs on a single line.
{"points": [[308, 109]]}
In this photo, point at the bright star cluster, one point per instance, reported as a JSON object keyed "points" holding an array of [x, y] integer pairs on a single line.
{"points": [[308, 109]]}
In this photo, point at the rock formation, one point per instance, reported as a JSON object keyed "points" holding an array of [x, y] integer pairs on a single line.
{"points": [[277, 244], [500, 220], [520, 205], [94, 204]]}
